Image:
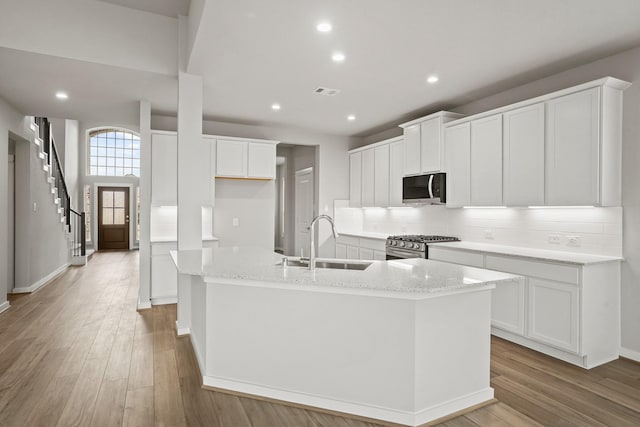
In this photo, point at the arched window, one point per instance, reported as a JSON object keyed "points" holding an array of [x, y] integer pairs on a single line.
{"points": [[114, 152]]}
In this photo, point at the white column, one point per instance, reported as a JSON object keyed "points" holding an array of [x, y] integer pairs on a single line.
{"points": [[144, 292]]}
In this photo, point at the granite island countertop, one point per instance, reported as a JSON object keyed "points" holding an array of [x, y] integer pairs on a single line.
{"points": [[409, 279]]}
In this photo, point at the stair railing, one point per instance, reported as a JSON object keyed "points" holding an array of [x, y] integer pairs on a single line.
{"points": [[78, 233]]}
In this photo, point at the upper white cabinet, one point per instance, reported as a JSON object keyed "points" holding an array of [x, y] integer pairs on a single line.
{"points": [[560, 149], [375, 174], [355, 179], [523, 152], [164, 168], [458, 164], [396, 171], [368, 177], [251, 159], [486, 161], [381, 178], [423, 137]]}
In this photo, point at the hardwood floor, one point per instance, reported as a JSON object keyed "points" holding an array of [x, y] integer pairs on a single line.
{"points": [[77, 353]]}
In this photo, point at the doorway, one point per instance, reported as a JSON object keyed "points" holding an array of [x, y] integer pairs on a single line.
{"points": [[113, 218], [11, 222], [303, 210]]}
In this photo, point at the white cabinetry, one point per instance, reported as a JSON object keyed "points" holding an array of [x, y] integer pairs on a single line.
{"points": [[353, 247], [375, 174], [381, 178], [341, 251], [524, 156], [424, 151], [396, 172], [486, 161], [569, 311], [164, 276], [458, 160], [355, 179], [164, 168], [368, 177], [251, 159]]}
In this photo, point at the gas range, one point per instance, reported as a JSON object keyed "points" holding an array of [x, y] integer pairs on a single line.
{"points": [[413, 246]]}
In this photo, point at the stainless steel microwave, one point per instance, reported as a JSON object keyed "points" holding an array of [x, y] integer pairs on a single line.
{"points": [[427, 189]]}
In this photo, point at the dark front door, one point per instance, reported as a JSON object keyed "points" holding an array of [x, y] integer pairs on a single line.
{"points": [[113, 218]]}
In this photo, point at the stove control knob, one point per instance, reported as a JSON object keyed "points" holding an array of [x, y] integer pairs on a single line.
{"points": [[401, 244], [414, 245], [394, 243]]}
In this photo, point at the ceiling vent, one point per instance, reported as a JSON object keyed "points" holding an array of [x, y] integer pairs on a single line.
{"points": [[326, 91]]}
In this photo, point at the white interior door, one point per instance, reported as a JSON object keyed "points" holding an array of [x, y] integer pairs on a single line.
{"points": [[11, 225], [303, 210]]}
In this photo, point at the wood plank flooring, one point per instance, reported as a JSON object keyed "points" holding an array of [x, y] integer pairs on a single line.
{"points": [[77, 353]]}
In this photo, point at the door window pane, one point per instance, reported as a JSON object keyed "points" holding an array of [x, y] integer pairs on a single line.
{"points": [[118, 199], [107, 199], [118, 216], [107, 216]]}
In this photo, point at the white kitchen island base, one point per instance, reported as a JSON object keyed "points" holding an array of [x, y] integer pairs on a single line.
{"points": [[407, 361], [404, 341]]}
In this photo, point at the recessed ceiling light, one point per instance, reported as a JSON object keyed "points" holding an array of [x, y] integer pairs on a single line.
{"points": [[275, 106], [338, 57], [62, 95], [324, 27], [432, 79], [351, 117]]}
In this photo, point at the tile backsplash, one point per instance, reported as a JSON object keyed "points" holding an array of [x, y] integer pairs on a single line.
{"points": [[586, 230]]}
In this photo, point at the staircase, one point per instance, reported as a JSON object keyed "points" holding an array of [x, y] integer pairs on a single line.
{"points": [[72, 222]]}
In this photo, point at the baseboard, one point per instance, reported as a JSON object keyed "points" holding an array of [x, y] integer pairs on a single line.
{"points": [[630, 354], [144, 305], [182, 331], [350, 408], [4, 306], [42, 282], [164, 300]]}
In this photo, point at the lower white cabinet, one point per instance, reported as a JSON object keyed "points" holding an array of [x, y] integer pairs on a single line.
{"points": [[569, 311], [353, 247], [164, 276]]}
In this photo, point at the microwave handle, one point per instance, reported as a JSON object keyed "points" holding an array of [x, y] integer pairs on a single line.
{"points": [[430, 186]]}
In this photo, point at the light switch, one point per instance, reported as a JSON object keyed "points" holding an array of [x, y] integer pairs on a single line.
{"points": [[35, 206], [235, 222]]}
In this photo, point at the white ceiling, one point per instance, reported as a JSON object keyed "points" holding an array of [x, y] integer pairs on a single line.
{"points": [[253, 53]]}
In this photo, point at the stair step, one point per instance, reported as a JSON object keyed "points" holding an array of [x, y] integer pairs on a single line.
{"points": [[51, 180], [42, 155], [34, 127], [63, 218], [54, 190], [56, 200], [38, 141], [46, 168], [60, 210]]}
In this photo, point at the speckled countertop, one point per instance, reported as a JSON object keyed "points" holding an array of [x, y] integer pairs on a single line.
{"points": [[410, 278], [537, 254]]}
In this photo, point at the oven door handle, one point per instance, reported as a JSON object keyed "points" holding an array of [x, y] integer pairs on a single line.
{"points": [[403, 254], [430, 186]]}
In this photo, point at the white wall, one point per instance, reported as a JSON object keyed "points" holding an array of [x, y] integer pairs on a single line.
{"points": [[71, 162], [626, 66], [252, 202]]}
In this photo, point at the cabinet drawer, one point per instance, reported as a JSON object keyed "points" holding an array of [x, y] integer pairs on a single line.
{"points": [[544, 270], [375, 244], [163, 248], [348, 240], [455, 256]]}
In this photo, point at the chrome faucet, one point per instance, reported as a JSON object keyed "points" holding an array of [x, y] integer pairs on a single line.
{"points": [[312, 238]]}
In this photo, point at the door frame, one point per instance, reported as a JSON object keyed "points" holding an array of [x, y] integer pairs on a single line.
{"points": [[11, 224], [132, 211], [304, 171]]}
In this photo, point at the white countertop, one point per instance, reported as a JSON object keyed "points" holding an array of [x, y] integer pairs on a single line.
{"points": [[367, 234], [538, 254], [175, 239], [411, 278]]}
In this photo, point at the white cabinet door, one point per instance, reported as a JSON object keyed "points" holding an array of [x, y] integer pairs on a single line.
{"points": [[164, 169], [572, 154], [368, 178], [486, 161], [355, 180], [231, 158], [366, 253], [523, 151], [412, 149], [553, 313], [353, 252], [341, 250], [379, 255], [508, 306], [164, 277], [261, 161], [430, 145], [396, 172], [381, 179], [458, 161]]}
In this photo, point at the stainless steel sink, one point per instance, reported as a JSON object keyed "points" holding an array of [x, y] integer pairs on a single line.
{"points": [[328, 263]]}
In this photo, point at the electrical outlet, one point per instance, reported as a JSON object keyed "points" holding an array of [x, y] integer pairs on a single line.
{"points": [[235, 222], [554, 239], [488, 234], [573, 241]]}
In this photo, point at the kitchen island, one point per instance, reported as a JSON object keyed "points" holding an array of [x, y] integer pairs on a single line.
{"points": [[405, 341]]}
